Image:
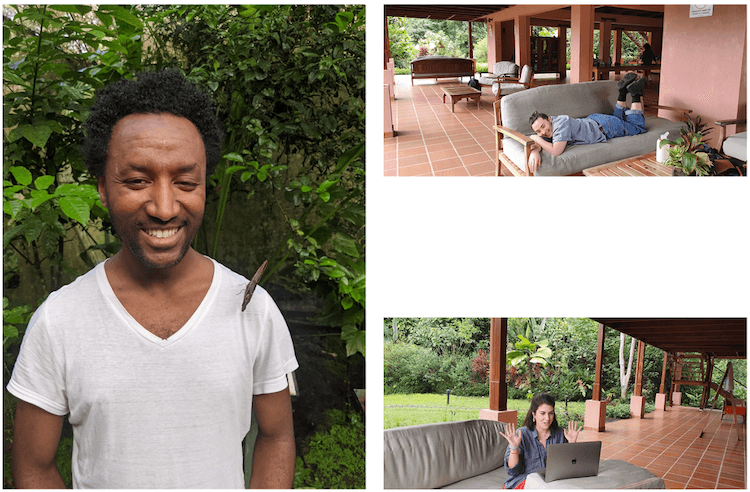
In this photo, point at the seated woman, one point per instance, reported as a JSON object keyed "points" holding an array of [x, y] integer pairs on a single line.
{"points": [[527, 446], [554, 133]]}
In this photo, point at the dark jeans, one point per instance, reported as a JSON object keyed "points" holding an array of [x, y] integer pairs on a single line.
{"points": [[623, 123]]}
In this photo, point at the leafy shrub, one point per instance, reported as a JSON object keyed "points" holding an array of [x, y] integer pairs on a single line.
{"points": [[409, 368], [480, 367], [336, 456], [618, 411]]}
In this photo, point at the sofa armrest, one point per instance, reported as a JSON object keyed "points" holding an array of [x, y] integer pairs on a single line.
{"points": [[736, 121], [519, 137], [723, 130]]}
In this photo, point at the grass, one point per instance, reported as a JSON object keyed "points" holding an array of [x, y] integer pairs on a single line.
{"points": [[401, 410]]}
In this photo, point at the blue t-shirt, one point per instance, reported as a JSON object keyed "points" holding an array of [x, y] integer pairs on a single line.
{"points": [[532, 455], [576, 130]]}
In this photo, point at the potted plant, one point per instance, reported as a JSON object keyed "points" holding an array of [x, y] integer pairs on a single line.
{"points": [[688, 153]]}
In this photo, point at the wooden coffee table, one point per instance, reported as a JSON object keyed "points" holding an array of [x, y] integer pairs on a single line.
{"points": [[458, 92], [641, 165]]}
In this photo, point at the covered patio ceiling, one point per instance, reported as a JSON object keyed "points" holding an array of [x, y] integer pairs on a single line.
{"points": [[720, 337], [464, 13], [480, 13]]}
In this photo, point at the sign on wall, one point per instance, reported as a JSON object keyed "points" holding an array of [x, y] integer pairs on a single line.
{"points": [[701, 11]]}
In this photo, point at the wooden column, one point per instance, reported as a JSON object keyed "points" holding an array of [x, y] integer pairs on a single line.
{"points": [[596, 410], [617, 58], [581, 43], [605, 37], [597, 388], [707, 381], [675, 397], [562, 49], [498, 387], [638, 402], [523, 41], [639, 368], [661, 396], [471, 44], [387, 48]]}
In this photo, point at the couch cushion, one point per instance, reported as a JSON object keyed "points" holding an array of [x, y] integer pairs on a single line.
{"points": [[506, 68], [736, 146], [613, 474], [491, 480], [434, 455], [577, 101]]}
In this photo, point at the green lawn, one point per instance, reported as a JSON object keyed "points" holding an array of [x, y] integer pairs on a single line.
{"points": [[402, 410]]}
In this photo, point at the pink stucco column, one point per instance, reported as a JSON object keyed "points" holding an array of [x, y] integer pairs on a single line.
{"points": [[637, 406], [661, 401], [595, 416], [507, 416], [676, 398]]}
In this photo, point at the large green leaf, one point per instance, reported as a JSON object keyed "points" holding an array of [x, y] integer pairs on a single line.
{"points": [[355, 340], [36, 134], [345, 245], [75, 208], [22, 175]]}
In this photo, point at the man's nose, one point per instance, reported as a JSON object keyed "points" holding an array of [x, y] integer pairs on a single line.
{"points": [[163, 204]]}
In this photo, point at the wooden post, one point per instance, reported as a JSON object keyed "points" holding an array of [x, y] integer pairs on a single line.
{"points": [[471, 44], [596, 410], [498, 387], [661, 397], [707, 381], [605, 37], [638, 402], [639, 368], [387, 46], [562, 50], [596, 393], [617, 59]]}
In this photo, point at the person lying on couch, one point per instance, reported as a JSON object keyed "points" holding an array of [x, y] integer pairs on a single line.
{"points": [[527, 447], [554, 133]]}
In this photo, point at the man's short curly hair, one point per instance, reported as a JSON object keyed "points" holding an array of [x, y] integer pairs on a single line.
{"points": [[160, 92]]}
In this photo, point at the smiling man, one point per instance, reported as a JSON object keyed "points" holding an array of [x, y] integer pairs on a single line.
{"points": [[554, 134], [149, 354]]}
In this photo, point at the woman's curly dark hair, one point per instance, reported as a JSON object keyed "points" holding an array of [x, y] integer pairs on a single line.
{"points": [[165, 91]]}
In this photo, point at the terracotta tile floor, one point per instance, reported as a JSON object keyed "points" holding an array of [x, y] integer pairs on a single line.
{"points": [[667, 444], [432, 141]]}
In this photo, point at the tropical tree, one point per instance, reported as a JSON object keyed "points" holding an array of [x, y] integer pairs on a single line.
{"points": [[625, 370]]}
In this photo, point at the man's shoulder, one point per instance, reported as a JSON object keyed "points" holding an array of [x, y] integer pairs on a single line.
{"points": [[83, 285]]}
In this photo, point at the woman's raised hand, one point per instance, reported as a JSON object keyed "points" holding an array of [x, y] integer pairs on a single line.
{"points": [[512, 435], [571, 434]]}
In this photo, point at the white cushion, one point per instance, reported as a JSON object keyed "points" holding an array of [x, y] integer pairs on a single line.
{"points": [[736, 146]]}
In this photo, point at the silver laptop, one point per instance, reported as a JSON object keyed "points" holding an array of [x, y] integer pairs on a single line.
{"points": [[572, 460]]}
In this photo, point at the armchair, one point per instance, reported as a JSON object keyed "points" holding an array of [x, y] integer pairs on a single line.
{"points": [[734, 147], [500, 71]]}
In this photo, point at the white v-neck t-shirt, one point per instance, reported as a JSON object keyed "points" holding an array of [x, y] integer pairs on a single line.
{"points": [[147, 412]]}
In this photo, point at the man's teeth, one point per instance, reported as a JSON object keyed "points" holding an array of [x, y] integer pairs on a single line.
{"points": [[162, 233]]}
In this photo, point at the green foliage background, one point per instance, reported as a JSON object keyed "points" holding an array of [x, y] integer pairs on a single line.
{"points": [[410, 37], [288, 83], [433, 355]]}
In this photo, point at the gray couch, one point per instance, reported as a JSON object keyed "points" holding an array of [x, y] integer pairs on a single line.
{"points": [[577, 101], [469, 455]]}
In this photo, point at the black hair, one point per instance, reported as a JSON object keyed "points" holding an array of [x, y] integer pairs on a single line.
{"points": [[166, 91], [646, 47], [536, 402], [535, 116]]}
